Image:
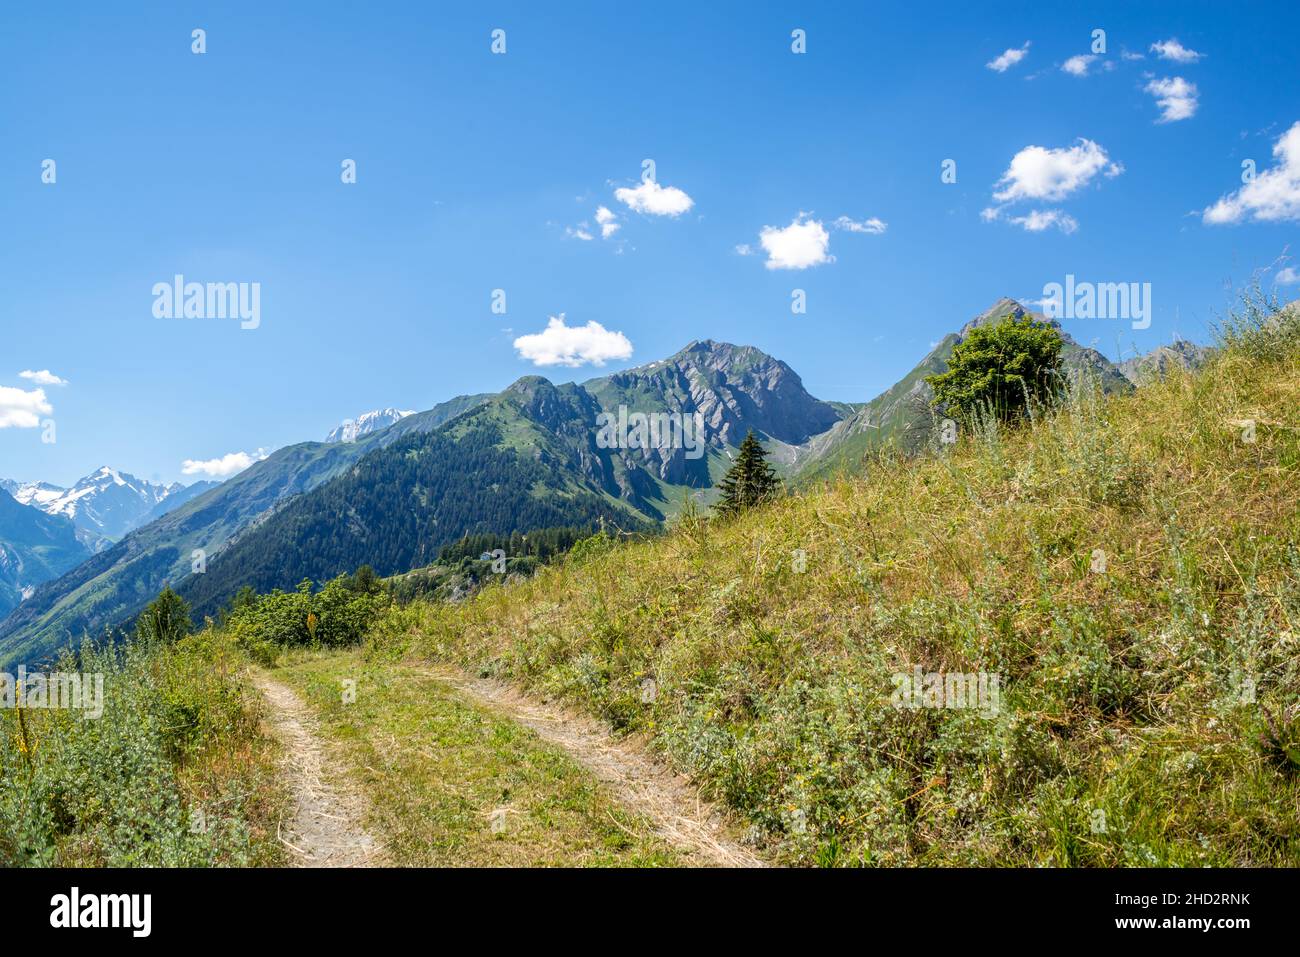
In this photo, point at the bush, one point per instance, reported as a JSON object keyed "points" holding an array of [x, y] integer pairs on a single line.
{"points": [[1002, 370], [174, 772], [339, 614]]}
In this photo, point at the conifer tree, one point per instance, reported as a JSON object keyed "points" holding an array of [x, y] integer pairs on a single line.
{"points": [[166, 619], [749, 481]]}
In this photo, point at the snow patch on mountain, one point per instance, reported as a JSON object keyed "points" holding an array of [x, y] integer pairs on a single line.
{"points": [[108, 503], [352, 429]]}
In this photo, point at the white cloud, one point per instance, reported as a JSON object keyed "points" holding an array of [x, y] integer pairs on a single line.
{"points": [[43, 377], [1008, 58], [1287, 277], [805, 242], [579, 232], [1175, 97], [22, 410], [1078, 65], [1171, 49], [1039, 304], [1034, 221], [745, 249], [874, 225], [1273, 196], [224, 467], [1128, 55], [1052, 174], [650, 197], [1037, 220], [561, 345], [609, 224]]}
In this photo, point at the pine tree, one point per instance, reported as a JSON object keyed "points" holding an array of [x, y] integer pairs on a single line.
{"points": [[749, 481], [166, 619]]}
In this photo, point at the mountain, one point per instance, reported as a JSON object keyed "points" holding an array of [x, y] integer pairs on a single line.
{"points": [[735, 388], [1161, 359], [530, 457], [34, 548], [31, 493], [114, 585], [178, 498], [523, 460], [367, 422], [900, 416], [107, 503]]}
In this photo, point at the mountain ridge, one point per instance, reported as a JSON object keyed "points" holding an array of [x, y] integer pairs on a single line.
{"points": [[107, 503], [900, 416]]}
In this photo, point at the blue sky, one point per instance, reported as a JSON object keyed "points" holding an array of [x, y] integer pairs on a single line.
{"points": [[478, 171]]}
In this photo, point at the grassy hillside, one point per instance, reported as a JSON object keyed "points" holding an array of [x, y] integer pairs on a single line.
{"points": [[1126, 569]]}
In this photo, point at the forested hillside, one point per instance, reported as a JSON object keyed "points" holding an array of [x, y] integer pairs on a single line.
{"points": [[398, 507]]}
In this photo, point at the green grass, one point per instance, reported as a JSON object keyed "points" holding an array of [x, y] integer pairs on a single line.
{"points": [[434, 768], [1136, 702], [176, 771]]}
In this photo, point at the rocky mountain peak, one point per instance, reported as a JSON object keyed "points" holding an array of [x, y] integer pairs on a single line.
{"points": [[736, 388], [352, 429]]}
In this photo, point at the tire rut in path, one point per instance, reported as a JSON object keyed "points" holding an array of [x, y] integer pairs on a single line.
{"points": [[636, 779], [326, 829]]}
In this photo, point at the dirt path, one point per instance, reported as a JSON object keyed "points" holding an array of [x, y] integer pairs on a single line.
{"points": [[636, 779], [325, 830]]}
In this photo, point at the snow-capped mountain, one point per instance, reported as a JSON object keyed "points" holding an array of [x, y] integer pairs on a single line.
{"points": [[107, 504], [32, 493], [352, 429]]}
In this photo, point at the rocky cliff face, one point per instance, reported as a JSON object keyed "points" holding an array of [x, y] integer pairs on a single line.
{"points": [[1163, 358], [733, 388]]}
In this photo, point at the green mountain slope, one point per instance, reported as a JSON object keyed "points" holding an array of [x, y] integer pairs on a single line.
{"points": [[114, 584], [523, 460], [529, 458], [34, 548]]}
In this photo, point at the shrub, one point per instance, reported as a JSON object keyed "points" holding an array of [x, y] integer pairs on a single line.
{"points": [[1001, 369], [173, 773]]}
